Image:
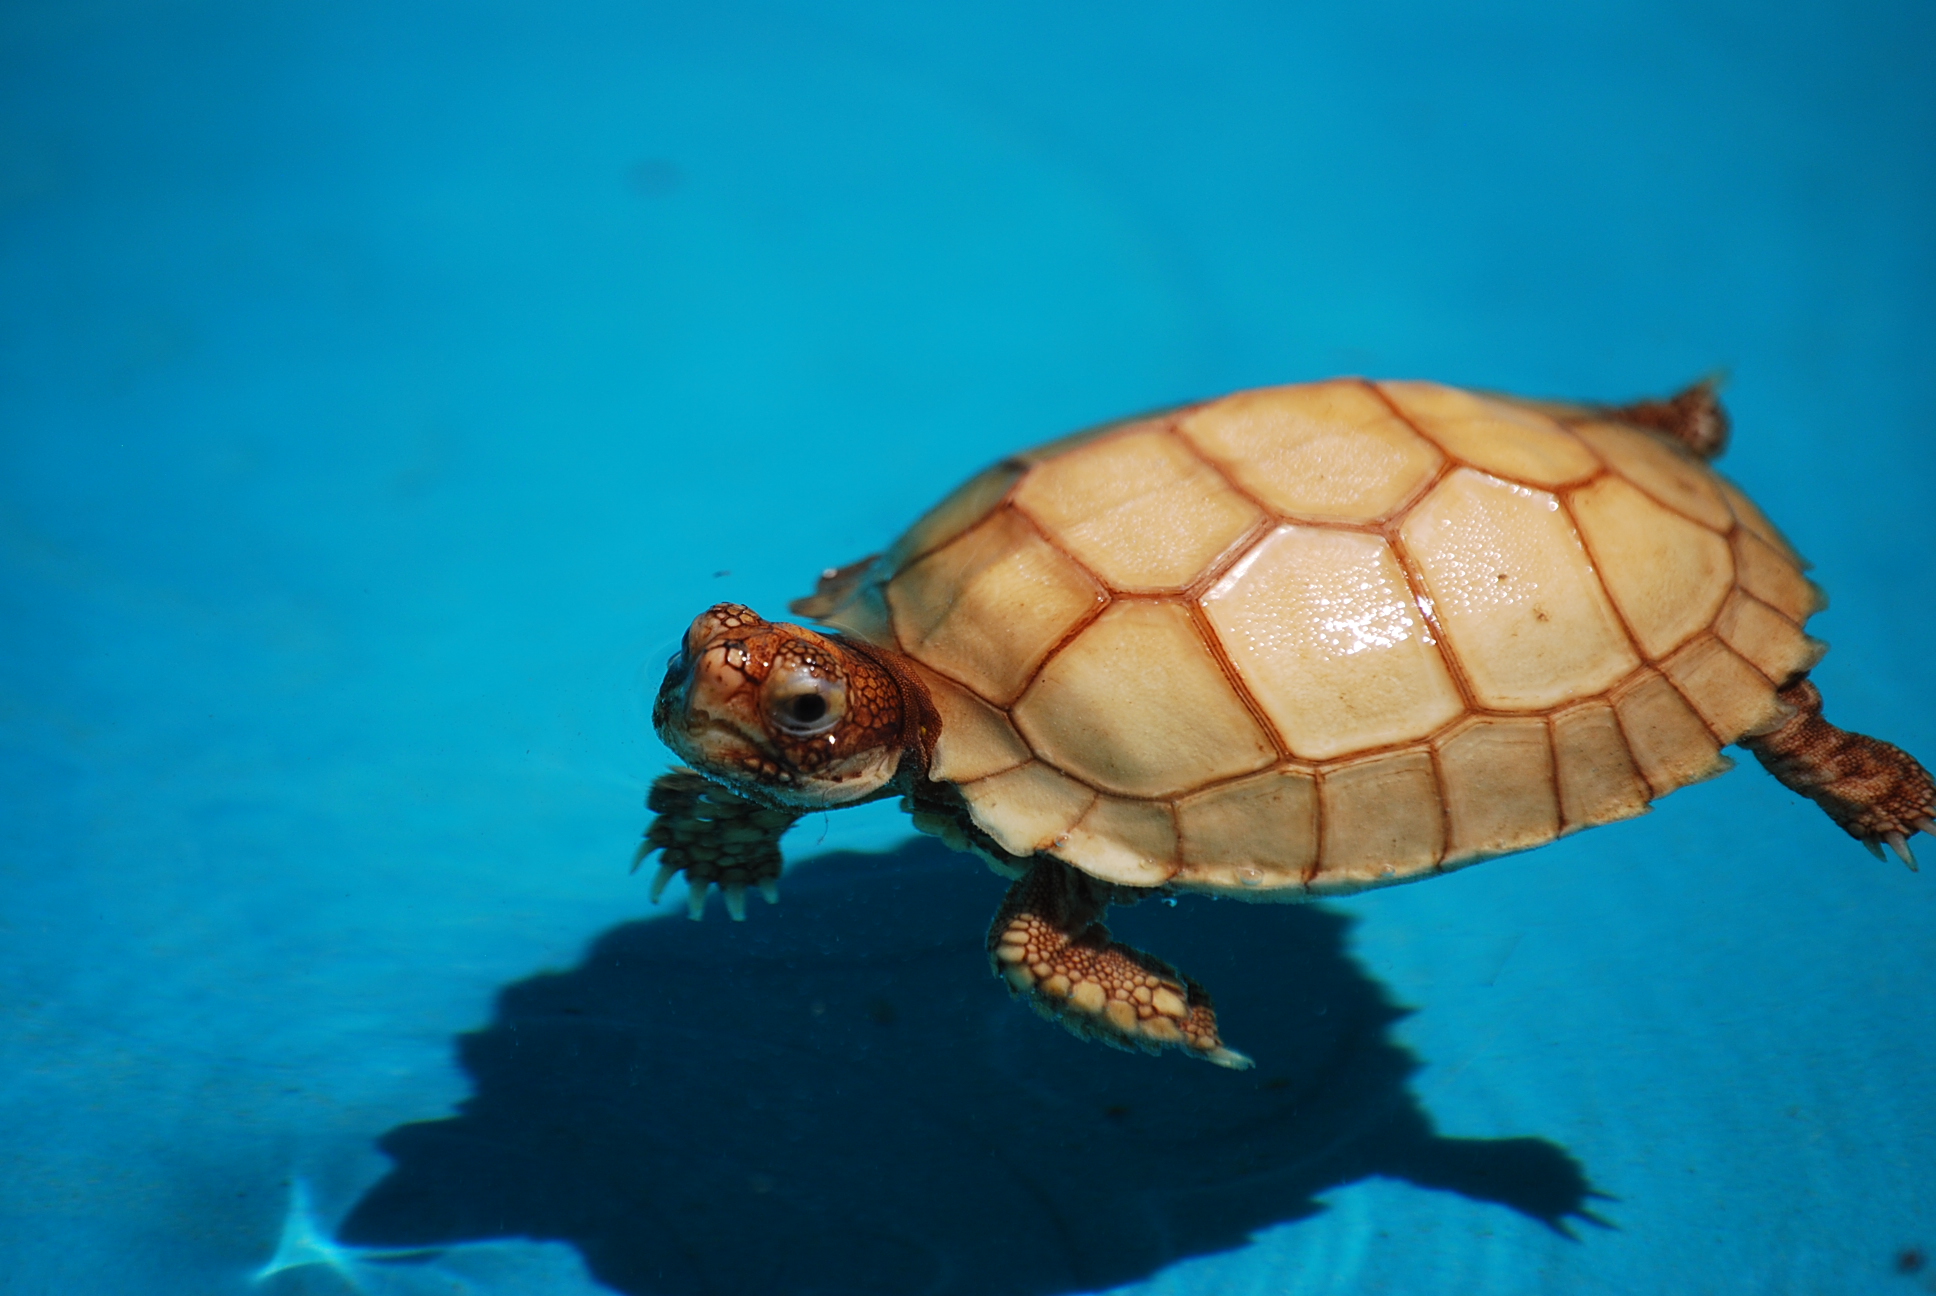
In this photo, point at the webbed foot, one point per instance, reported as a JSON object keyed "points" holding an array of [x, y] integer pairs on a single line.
{"points": [[712, 835], [1049, 944], [1875, 790]]}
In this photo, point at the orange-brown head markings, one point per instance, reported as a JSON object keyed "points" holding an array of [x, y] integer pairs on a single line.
{"points": [[782, 713]]}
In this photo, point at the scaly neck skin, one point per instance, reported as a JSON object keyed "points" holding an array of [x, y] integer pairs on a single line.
{"points": [[920, 723], [792, 718]]}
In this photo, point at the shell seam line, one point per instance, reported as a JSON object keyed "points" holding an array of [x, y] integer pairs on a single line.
{"points": [[1176, 836], [987, 519], [1062, 835], [1559, 779], [1233, 554], [1786, 620], [1441, 789], [1626, 739], [1428, 613], [1593, 565], [1206, 633], [1687, 649], [1669, 505], [1753, 665], [1562, 428], [1175, 429], [1279, 516], [1319, 816], [994, 507], [1316, 769], [1096, 608], [1742, 535]]}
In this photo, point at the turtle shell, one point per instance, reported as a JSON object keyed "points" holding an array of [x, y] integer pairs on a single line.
{"points": [[1313, 639]]}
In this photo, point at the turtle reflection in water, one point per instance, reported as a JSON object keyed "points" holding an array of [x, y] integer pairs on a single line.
{"points": [[1295, 642]]}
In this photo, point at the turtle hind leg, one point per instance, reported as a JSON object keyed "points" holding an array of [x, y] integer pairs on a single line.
{"points": [[1693, 417], [1049, 944], [712, 835], [1876, 791]]}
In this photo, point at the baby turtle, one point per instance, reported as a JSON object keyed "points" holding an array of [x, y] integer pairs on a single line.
{"points": [[1295, 642]]}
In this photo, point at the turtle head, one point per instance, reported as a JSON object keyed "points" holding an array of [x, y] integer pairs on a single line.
{"points": [[782, 714]]}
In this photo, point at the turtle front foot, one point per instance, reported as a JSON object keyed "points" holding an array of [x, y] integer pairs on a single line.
{"points": [[712, 836], [1049, 944], [1875, 790]]}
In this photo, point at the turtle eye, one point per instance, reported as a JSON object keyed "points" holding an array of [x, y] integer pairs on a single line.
{"points": [[803, 704]]}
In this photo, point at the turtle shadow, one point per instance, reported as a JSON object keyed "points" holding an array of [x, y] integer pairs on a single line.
{"points": [[835, 1097]]}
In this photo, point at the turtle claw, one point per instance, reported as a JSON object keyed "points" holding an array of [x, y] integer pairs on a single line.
{"points": [[664, 876], [1900, 845], [733, 893], [712, 835], [1873, 846], [1229, 1057]]}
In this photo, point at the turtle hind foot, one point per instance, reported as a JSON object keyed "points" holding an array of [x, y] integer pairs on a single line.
{"points": [[1693, 417], [713, 836], [1876, 791], [1049, 944]]}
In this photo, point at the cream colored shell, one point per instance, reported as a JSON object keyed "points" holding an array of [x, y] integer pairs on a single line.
{"points": [[1313, 639]]}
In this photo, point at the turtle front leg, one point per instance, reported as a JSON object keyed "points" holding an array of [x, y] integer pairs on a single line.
{"points": [[1049, 944], [1876, 791], [712, 835]]}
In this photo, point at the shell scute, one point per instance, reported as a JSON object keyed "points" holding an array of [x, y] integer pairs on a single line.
{"points": [[1768, 574], [1663, 470], [1329, 451], [1131, 842], [1755, 520], [1043, 453], [1775, 645], [1029, 808], [1729, 694], [976, 739], [1324, 629], [1668, 576], [987, 607], [1137, 705], [1499, 787], [1256, 837], [1523, 610], [1382, 822], [1598, 782], [964, 506], [1501, 438], [1137, 509], [1670, 744]]}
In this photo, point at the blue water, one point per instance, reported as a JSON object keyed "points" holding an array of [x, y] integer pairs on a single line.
{"points": [[384, 385]]}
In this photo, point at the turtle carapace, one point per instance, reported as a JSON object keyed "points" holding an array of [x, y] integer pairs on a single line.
{"points": [[1294, 642]]}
